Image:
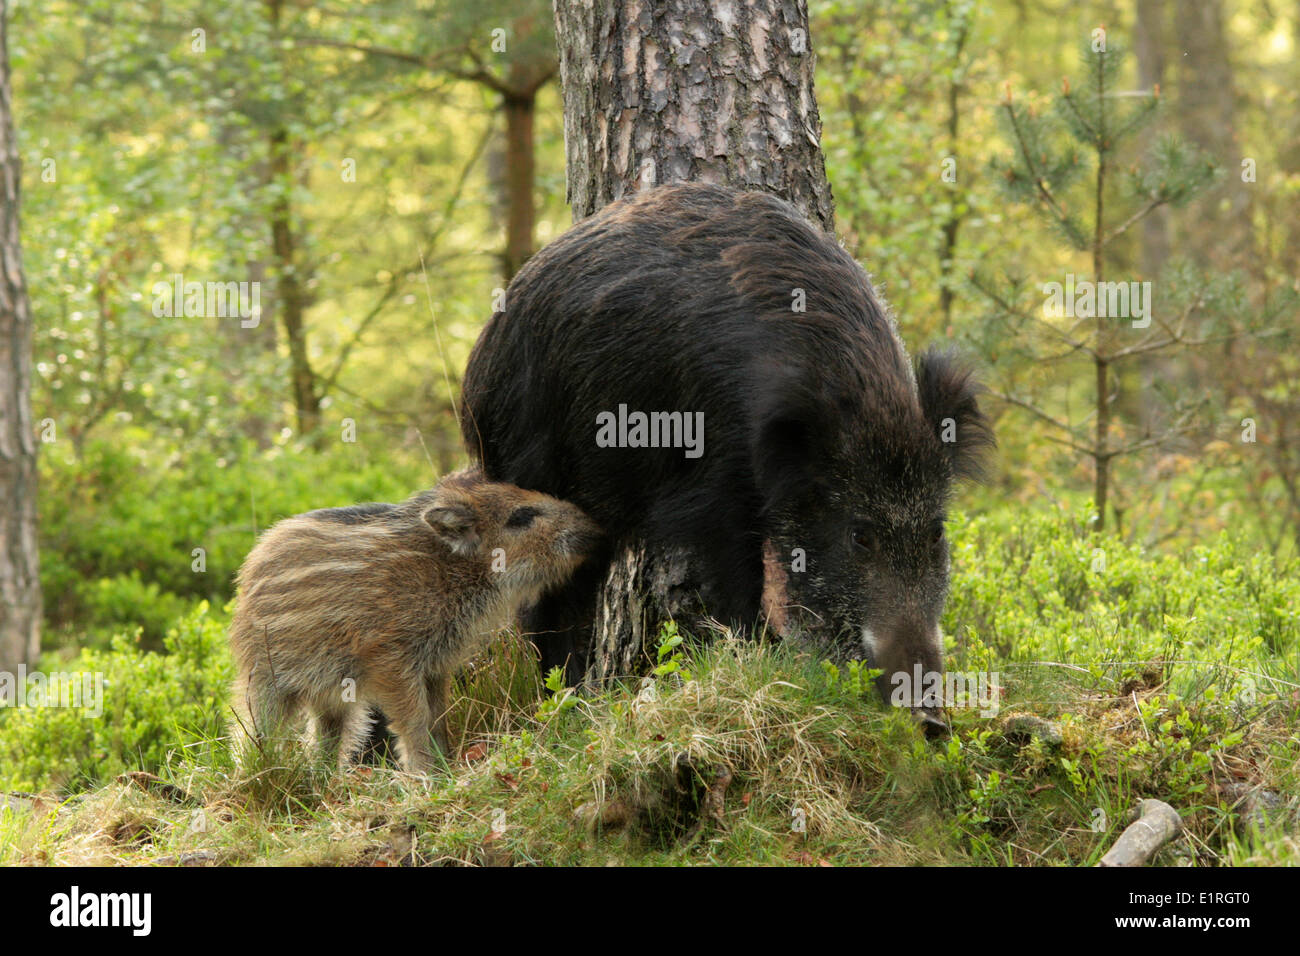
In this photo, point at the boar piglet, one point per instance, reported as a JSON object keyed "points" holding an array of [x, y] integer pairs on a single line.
{"points": [[344, 609]]}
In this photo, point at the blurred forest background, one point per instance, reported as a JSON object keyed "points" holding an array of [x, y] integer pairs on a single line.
{"points": [[381, 169]]}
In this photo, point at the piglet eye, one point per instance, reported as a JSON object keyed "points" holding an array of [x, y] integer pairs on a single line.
{"points": [[936, 534], [521, 517]]}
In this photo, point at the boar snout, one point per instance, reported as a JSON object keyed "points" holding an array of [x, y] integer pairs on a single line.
{"points": [[911, 656], [931, 723]]}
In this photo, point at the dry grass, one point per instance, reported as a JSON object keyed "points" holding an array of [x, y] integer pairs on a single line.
{"points": [[749, 755]]}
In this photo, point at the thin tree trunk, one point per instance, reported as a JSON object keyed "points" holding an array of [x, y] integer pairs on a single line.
{"points": [[1150, 43], [290, 298], [953, 224], [20, 583], [681, 91], [290, 291], [520, 174], [1101, 444], [1291, 162], [1149, 37], [1220, 231], [242, 347]]}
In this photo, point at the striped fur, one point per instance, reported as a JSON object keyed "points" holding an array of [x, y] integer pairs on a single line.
{"points": [[344, 608]]}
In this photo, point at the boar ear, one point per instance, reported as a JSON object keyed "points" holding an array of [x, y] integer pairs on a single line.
{"points": [[454, 526], [949, 400], [786, 443]]}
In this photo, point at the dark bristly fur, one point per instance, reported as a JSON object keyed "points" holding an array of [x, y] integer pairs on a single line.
{"points": [[817, 425], [377, 605]]}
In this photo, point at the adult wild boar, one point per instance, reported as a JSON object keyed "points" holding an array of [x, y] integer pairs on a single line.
{"points": [[817, 490]]}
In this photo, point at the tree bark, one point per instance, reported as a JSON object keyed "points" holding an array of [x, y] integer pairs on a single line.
{"points": [[681, 91], [951, 227], [1219, 233], [1149, 35], [690, 91], [290, 299], [520, 175], [20, 583], [290, 291], [242, 348], [1149, 39]]}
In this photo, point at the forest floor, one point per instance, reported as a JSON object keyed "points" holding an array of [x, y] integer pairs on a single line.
{"points": [[733, 753]]}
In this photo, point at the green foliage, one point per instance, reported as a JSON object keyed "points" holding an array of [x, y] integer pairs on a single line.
{"points": [[669, 654], [1174, 173], [1044, 588], [562, 699], [119, 533], [1091, 123], [1041, 168], [1091, 111], [153, 706], [124, 601], [1158, 670], [1052, 361], [905, 168], [853, 680]]}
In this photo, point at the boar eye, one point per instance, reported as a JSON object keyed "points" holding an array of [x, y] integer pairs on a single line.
{"points": [[862, 538], [936, 534], [522, 517]]}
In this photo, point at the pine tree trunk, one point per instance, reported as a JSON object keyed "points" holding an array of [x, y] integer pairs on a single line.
{"points": [[520, 175], [290, 298], [20, 583], [291, 291], [663, 91], [1220, 233], [671, 91], [1149, 33], [1150, 371]]}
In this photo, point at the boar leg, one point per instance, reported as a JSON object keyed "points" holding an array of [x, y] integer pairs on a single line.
{"points": [[559, 624], [407, 709], [439, 689], [413, 748], [327, 729], [261, 708], [357, 721]]}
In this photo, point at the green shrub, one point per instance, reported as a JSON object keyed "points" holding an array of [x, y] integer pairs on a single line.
{"points": [[1041, 587], [119, 533], [152, 705], [124, 601]]}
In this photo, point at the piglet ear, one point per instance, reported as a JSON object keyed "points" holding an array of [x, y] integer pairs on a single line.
{"points": [[949, 399], [454, 526]]}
